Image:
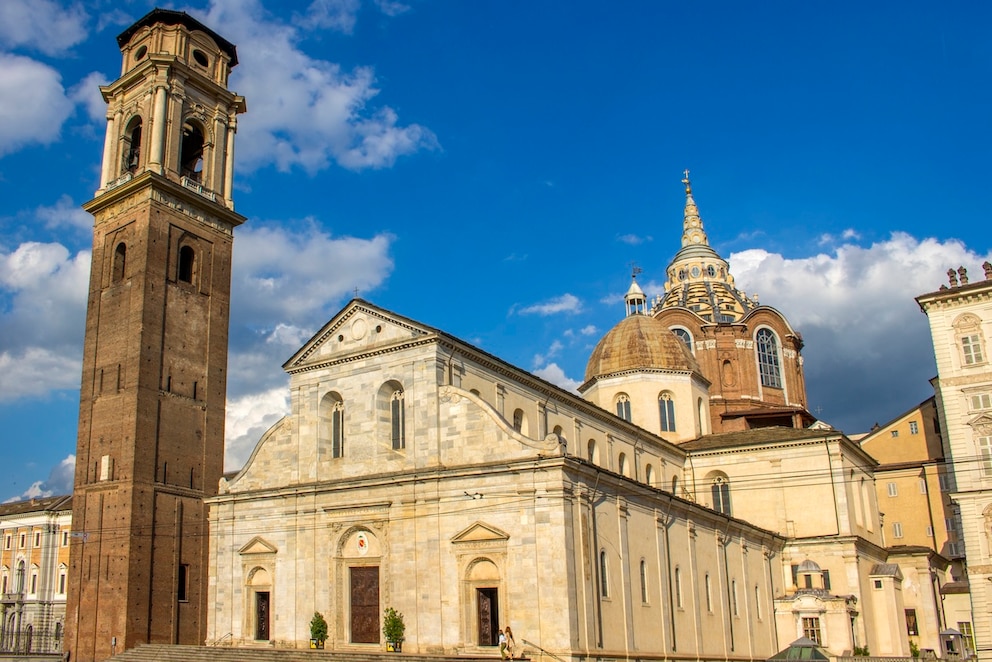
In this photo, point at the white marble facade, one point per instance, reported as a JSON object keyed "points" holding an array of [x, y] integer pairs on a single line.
{"points": [[418, 472]]}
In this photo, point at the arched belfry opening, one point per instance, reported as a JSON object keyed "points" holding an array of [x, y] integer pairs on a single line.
{"points": [[131, 152], [191, 151]]}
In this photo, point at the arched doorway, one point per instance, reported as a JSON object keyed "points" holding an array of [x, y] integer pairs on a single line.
{"points": [[483, 578], [260, 591]]}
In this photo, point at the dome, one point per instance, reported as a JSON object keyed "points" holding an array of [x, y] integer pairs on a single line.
{"points": [[809, 566], [639, 342]]}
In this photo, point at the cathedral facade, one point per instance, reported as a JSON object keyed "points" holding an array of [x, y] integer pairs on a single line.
{"points": [[420, 473]]}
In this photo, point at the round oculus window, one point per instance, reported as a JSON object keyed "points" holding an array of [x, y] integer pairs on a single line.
{"points": [[200, 57], [141, 52], [695, 272]]}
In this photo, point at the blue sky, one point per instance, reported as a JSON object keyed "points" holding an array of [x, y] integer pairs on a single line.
{"points": [[493, 169]]}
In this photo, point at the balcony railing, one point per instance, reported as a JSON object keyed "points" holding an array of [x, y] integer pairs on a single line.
{"points": [[197, 187]]}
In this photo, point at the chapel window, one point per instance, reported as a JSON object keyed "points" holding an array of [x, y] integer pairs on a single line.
{"points": [[593, 455], [330, 428], [811, 628], [720, 491], [683, 335], [623, 407], [666, 407], [644, 582], [520, 421], [649, 475], [623, 465], [768, 361], [678, 587]]}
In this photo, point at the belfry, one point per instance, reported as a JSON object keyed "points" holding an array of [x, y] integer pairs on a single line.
{"points": [[150, 445]]}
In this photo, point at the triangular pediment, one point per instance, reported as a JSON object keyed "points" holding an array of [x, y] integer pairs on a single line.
{"points": [[359, 327], [481, 532], [257, 545], [982, 424]]}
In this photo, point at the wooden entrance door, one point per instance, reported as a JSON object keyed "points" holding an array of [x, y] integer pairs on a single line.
{"points": [[262, 615], [365, 605], [488, 608]]}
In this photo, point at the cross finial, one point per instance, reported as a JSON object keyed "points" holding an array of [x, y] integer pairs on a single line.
{"points": [[634, 270], [356, 292], [685, 180]]}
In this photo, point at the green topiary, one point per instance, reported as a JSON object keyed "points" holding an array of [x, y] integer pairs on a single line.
{"points": [[318, 627], [393, 626]]}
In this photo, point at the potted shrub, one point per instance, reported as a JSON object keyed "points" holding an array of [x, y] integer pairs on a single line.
{"points": [[393, 629], [318, 630]]}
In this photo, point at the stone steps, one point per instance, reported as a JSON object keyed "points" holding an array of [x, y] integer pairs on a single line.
{"points": [[169, 653]]}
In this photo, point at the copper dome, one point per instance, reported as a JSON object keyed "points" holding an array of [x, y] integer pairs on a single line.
{"points": [[639, 342]]}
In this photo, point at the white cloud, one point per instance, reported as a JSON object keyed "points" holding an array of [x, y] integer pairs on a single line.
{"points": [[42, 25], [59, 482], [554, 374], [41, 328], [633, 239], [86, 93], [391, 7], [868, 352], [33, 103], [294, 276], [553, 351], [65, 213], [248, 417], [337, 15], [307, 113], [588, 330], [566, 303]]}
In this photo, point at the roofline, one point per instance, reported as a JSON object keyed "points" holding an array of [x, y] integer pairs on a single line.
{"points": [[172, 17], [874, 433]]}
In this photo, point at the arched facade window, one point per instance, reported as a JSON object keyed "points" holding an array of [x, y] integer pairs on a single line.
{"points": [[120, 263], [593, 452], [623, 406], [391, 412], [191, 151], [678, 588], [187, 264], [603, 572], [332, 423], [19, 578], [720, 493], [683, 335], [675, 485], [623, 465], [131, 152], [397, 420], [649, 475], [666, 408], [709, 592], [769, 366]]}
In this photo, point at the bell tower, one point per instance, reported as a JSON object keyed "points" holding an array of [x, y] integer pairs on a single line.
{"points": [[150, 445]]}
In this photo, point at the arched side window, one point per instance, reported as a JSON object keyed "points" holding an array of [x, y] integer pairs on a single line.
{"points": [[720, 492], [709, 592], [683, 335], [120, 263], [675, 485], [678, 588], [649, 475], [520, 421], [603, 570], [623, 465], [644, 582], [666, 407], [593, 455], [769, 367], [187, 264], [19, 578], [623, 406], [191, 151], [397, 420], [131, 149]]}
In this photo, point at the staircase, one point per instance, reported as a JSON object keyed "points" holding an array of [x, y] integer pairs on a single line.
{"points": [[169, 653]]}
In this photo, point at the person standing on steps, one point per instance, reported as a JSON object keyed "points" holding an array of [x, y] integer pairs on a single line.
{"points": [[502, 645], [511, 644]]}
